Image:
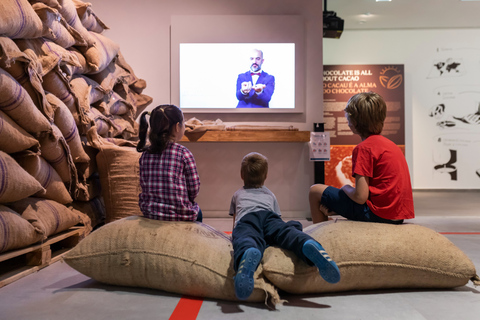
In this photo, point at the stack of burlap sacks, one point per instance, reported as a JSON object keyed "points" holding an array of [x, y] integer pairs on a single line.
{"points": [[61, 82]]}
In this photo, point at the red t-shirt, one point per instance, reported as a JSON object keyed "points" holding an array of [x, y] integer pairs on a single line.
{"points": [[390, 189]]}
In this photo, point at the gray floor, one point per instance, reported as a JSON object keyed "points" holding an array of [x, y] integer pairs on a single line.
{"points": [[59, 292]]}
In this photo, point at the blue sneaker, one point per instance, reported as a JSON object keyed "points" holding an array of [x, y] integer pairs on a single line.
{"points": [[244, 277], [326, 266]]}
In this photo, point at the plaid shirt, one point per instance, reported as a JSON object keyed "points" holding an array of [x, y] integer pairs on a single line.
{"points": [[170, 183]]}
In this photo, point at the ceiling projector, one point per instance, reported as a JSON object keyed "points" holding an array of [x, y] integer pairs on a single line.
{"points": [[332, 25]]}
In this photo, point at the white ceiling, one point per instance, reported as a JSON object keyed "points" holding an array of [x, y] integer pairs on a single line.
{"points": [[406, 14]]}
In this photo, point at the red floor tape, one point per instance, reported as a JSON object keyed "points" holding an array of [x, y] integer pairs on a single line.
{"points": [[187, 309]]}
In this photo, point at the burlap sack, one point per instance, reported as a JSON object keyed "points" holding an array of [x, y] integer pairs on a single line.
{"points": [[50, 216], [41, 170], [55, 27], [96, 92], [102, 54], [137, 100], [26, 69], [132, 80], [18, 20], [55, 150], [89, 19], [116, 105], [72, 70], [15, 182], [15, 231], [102, 123], [69, 13], [187, 258], [14, 138], [49, 54], [94, 209], [110, 76], [56, 82], [50, 3], [123, 127], [373, 256], [66, 123], [18, 105], [118, 168], [89, 189]]}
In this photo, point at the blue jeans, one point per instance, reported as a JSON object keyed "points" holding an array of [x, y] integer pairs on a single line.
{"points": [[263, 228], [337, 200]]}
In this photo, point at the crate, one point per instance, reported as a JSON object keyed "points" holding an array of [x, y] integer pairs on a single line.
{"points": [[19, 263]]}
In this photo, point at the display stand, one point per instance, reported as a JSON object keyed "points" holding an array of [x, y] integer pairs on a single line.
{"points": [[248, 136]]}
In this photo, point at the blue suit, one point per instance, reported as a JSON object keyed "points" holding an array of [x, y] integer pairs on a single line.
{"points": [[253, 100]]}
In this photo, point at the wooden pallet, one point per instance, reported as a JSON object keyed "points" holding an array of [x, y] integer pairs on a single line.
{"points": [[17, 264]]}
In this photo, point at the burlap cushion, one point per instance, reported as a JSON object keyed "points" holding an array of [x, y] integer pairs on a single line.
{"points": [[183, 257], [373, 256]]}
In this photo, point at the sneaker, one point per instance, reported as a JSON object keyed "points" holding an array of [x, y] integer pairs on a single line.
{"points": [[326, 266], [244, 277]]}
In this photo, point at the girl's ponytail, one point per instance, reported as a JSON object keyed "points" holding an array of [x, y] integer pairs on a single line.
{"points": [[142, 132]]}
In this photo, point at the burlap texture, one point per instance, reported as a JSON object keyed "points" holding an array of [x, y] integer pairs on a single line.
{"points": [[15, 231], [132, 80], [94, 209], [373, 256], [26, 69], [188, 258], [18, 20], [18, 105], [41, 170], [15, 182], [118, 168], [56, 83], [102, 123], [88, 18], [96, 91], [49, 54], [50, 216], [102, 54], [69, 13], [66, 123], [81, 69], [55, 150], [55, 27], [14, 138]]}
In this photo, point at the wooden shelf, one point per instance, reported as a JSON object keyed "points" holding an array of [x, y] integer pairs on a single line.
{"points": [[248, 136]]}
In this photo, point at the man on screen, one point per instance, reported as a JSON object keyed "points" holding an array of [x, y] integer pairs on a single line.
{"points": [[255, 87]]}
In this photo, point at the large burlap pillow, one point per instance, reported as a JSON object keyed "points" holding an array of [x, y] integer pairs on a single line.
{"points": [[373, 256], [183, 257]]}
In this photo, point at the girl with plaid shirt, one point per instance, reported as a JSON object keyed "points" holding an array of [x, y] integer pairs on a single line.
{"points": [[168, 173]]}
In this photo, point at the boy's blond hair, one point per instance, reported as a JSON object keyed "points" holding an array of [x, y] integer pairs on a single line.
{"points": [[367, 111], [254, 170]]}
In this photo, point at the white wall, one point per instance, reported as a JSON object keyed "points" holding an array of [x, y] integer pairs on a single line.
{"points": [[142, 29], [418, 50]]}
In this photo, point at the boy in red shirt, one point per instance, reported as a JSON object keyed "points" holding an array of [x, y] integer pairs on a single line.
{"points": [[383, 191]]}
